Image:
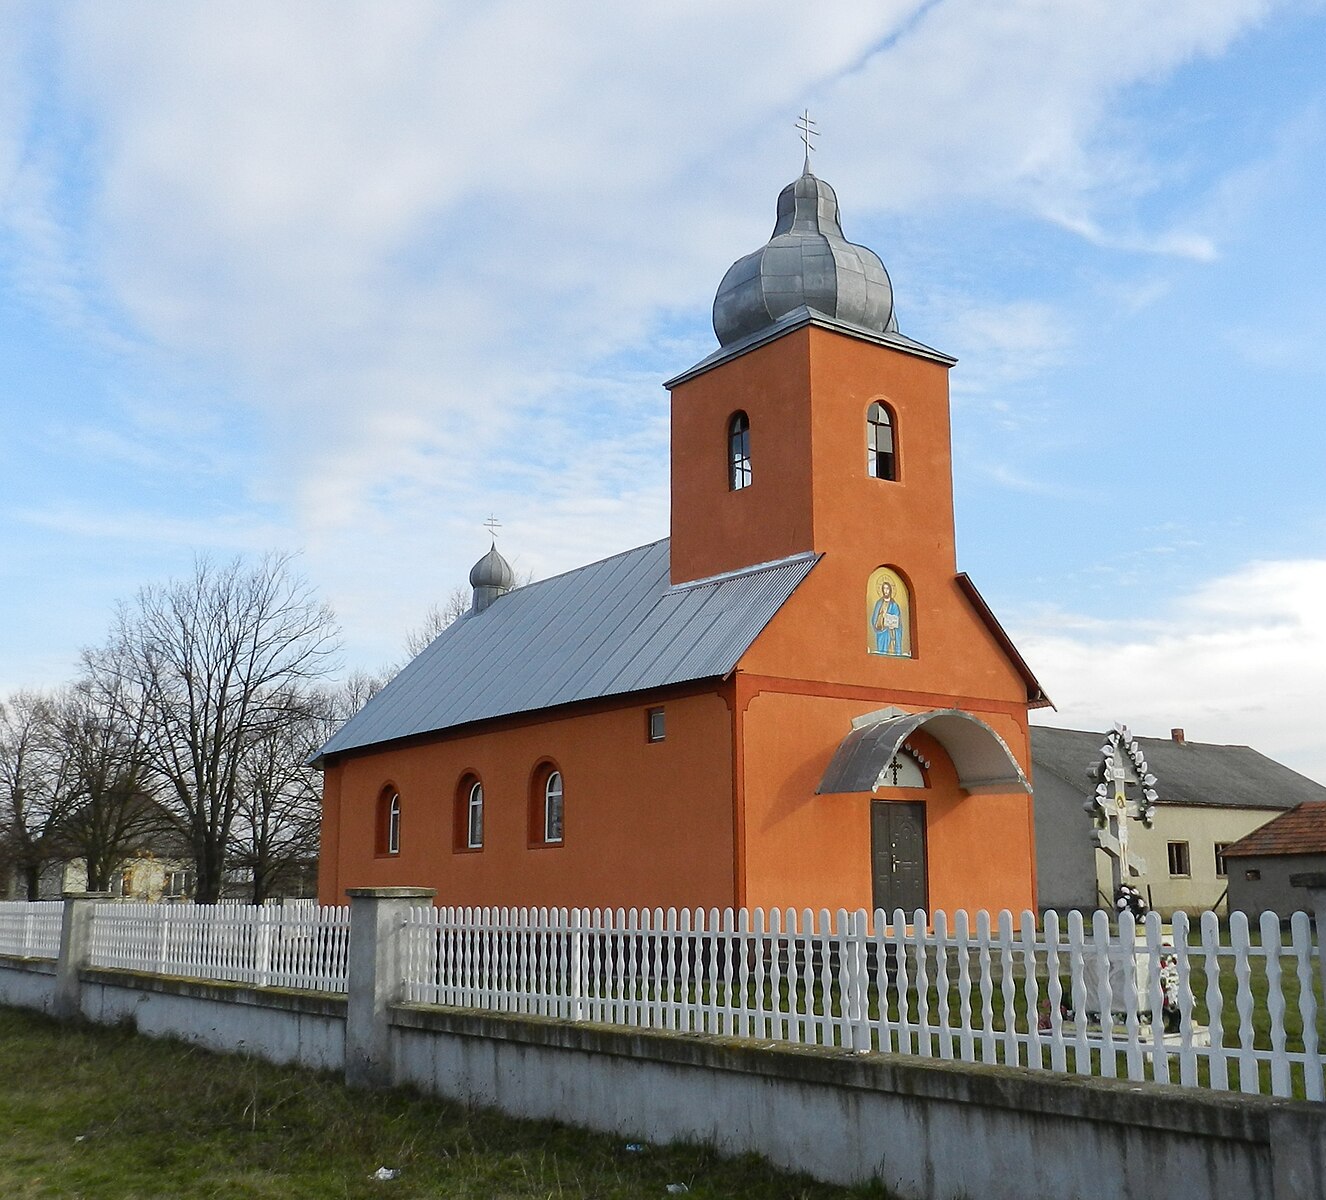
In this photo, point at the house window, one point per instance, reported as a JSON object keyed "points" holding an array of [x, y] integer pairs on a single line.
{"points": [[1178, 858], [1222, 870], [738, 452], [178, 883], [1252, 876], [655, 727], [881, 451], [474, 824], [552, 808], [389, 821]]}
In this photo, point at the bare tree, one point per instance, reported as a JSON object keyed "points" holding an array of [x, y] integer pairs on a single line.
{"points": [[358, 689], [436, 619], [280, 795], [102, 724], [440, 616], [35, 786], [215, 656]]}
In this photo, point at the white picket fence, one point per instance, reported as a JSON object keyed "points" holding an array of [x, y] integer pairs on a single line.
{"points": [[268, 946], [1016, 993], [31, 930], [1061, 995]]}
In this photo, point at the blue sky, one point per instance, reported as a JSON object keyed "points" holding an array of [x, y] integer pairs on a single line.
{"points": [[346, 280]]}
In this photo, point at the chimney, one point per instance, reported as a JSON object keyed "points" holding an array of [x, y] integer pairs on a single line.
{"points": [[1176, 735]]}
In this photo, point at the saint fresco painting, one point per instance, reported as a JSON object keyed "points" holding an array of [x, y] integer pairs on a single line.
{"points": [[888, 614]]}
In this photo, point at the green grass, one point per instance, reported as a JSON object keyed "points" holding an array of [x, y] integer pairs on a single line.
{"points": [[107, 1115]]}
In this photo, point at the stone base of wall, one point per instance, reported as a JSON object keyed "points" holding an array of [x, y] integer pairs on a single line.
{"points": [[275, 1024], [924, 1128], [27, 983]]}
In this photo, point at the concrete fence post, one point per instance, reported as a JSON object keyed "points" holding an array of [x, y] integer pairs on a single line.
{"points": [[376, 970], [75, 951]]}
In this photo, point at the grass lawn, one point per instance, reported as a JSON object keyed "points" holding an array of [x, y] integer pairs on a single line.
{"points": [[106, 1115]]}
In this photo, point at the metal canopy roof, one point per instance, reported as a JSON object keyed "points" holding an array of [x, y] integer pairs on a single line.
{"points": [[982, 759], [608, 629]]}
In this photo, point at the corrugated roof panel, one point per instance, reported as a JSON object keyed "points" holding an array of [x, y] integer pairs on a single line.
{"points": [[621, 602], [608, 629]]}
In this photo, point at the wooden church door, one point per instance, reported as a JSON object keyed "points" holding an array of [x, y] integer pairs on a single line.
{"points": [[897, 848]]}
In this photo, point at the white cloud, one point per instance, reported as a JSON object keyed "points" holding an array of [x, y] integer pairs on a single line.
{"points": [[410, 238], [1239, 660]]}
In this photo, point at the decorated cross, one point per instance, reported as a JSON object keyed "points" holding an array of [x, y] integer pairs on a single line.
{"points": [[1125, 790]]}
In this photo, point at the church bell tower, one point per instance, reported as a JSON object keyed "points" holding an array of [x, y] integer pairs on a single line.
{"points": [[816, 426]]}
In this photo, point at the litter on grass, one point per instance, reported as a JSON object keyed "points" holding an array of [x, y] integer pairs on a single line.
{"points": [[676, 1189], [383, 1174]]}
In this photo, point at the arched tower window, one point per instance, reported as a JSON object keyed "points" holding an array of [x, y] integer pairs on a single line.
{"points": [[881, 444], [389, 821], [738, 452]]}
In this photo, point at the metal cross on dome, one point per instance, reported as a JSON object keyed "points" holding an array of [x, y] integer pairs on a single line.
{"points": [[808, 132], [492, 525]]}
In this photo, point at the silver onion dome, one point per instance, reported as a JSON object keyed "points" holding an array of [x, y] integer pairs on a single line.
{"points": [[490, 577], [807, 261]]}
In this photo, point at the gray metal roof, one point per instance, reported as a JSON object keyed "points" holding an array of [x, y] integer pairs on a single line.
{"points": [[1195, 773], [608, 629]]}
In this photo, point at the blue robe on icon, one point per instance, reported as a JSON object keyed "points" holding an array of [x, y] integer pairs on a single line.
{"points": [[889, 639]]}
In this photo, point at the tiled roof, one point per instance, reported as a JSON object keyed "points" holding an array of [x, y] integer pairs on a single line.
{"points": [[1190, 773], [1301, 830], [608, 629]]}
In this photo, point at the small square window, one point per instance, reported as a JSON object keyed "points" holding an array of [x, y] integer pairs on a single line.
{"points": [[1222, 869], [1177, 853], [1252, 876], [657, 728]]}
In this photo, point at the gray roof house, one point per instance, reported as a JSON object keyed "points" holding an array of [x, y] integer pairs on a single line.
{"points": [[1209, 796]]}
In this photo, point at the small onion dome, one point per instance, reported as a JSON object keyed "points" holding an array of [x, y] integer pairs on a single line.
{"points": [[807, 261], [490, 577]]}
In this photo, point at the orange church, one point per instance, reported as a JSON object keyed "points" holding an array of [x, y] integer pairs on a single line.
{"points": [[796, 700]]}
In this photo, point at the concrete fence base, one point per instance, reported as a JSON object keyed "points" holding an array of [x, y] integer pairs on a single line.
{"points": [[924, 1128]]}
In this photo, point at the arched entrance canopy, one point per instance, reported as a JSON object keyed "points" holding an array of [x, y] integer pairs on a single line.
{"points": [[982, 759]]}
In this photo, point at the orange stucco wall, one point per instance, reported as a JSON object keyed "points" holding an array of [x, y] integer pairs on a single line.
{"points": [[808, 851], [645, 823]]}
